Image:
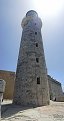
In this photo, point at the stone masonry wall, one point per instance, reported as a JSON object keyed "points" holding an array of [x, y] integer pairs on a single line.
{"points": [[9, 78], [31, 84], [55, 88]]}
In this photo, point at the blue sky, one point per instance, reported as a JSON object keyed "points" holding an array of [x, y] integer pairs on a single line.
{"points": [[11, 15]]}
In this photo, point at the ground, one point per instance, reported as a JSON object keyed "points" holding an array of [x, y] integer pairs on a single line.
{"points": [[52, 112]]}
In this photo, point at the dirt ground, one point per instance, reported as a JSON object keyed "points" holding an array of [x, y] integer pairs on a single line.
{"points": [[52, 112]]}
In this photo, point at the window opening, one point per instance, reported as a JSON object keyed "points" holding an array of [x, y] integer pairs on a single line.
{"points": [[36, 44], [37, 60], [38, 80], [35, 33]]}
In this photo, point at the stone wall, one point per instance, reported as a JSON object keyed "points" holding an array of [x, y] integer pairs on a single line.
{"points": [[9, 78], [55, 88], [31, 84], [60, 98]]}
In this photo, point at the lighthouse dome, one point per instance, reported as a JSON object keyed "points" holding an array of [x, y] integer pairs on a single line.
{"points": [[31, 13]]}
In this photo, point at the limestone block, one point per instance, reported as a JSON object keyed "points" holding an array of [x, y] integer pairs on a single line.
{"points": [[60, 99], [2, 86]]}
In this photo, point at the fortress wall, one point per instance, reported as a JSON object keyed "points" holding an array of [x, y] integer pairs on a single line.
{"points": [[55, 87], [9, 78]]}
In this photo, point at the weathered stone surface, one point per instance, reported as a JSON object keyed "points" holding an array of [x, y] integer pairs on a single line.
{"points": [[31, 84], [60, 98], [9, 78], [2, 89], [2, 85], [0, 107], [55, 89]]}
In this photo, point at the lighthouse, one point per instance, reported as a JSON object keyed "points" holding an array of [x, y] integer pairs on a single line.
{"points": [[31, 83]]}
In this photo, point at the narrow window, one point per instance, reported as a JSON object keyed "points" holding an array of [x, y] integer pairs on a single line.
{"points": [[38, 80], [35, 33], [36, 44], [37, 60]]}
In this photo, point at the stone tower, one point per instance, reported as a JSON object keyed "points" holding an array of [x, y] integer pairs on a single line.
{"points": [[31, 84]]}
